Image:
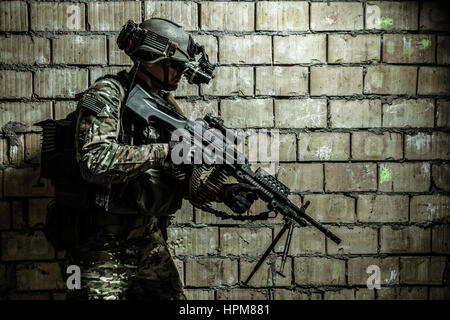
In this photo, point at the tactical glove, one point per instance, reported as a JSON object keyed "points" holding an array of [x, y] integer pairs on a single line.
{"points": [[238, 196]]}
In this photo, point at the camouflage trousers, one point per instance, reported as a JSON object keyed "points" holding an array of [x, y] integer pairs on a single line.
{"points": [[136, 267]]}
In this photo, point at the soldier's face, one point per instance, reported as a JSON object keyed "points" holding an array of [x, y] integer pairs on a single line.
{"points": [[157, 70]]}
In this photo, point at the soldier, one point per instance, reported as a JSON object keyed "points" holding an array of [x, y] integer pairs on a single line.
{"points": [[123, 252]]}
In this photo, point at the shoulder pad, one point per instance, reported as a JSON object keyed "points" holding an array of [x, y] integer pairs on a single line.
{"points": [[92, 104]]}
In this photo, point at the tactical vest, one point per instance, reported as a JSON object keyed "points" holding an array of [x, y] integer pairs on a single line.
{"points": [[158, 191]]}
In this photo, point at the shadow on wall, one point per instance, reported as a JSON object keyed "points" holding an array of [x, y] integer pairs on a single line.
{"points": [[28, 259]]}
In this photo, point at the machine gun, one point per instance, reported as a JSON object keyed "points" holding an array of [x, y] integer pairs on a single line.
{"points": [[148, 105]]}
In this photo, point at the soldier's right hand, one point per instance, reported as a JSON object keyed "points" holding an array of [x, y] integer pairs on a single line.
{"points": [[238, 196]]}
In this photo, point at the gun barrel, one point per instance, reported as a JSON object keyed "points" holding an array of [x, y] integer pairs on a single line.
{"points": [[319, 226]]}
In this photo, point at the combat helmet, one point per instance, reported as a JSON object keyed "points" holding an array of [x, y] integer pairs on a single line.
{"points": [[156, 39]]}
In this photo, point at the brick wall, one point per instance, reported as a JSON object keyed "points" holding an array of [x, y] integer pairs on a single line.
{"points": [[359, 90]]}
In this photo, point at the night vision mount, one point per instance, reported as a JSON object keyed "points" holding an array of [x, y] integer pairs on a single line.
{"points": [[144, 44], [203, 72]]}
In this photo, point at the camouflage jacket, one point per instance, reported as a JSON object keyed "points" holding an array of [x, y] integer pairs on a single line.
{"points": [[131, 176]]}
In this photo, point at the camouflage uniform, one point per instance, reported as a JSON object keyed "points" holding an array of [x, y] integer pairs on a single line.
{"points": [[125, 255]]}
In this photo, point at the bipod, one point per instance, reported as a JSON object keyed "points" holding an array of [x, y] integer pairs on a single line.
{"points": [[288, 225]]}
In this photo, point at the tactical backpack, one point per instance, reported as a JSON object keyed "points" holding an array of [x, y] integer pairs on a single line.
{"points": [[66, 220], [59, 163]]}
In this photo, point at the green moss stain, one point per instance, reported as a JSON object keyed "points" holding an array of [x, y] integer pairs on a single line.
{"points": [[386, 21], [424, 44], [385, 174]]}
